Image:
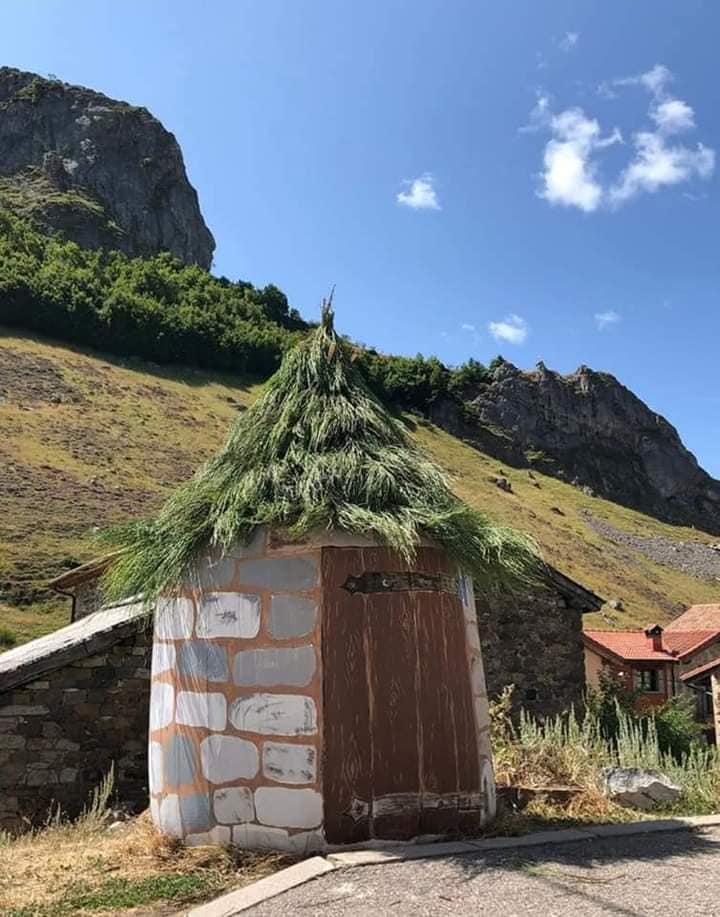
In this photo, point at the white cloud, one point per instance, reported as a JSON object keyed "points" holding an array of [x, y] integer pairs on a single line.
{"points": [[571, 175], [568, 41], [673, 116], [512, 329], [540, 115], [468, 327], [604, 319], [656, 79], [419, 194], [657, 165]]}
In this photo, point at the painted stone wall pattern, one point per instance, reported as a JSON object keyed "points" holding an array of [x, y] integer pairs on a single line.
{"points": [[237, 701], [258, 702]]}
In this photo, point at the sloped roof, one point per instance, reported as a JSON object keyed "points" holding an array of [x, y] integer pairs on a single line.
{"points": [[83, 638], [687, 642], [705, 669], [697, 617], [636, 646], [91, 570], [316, 451], [627, 645]]}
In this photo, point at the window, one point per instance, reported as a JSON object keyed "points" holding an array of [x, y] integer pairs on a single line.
{"points": [[648, 680]]}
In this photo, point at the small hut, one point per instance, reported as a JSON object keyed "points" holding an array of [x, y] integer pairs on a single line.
{"points": [[317, 676]]}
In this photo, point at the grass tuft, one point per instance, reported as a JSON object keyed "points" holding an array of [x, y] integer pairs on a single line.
{"points": [[570, 750]]}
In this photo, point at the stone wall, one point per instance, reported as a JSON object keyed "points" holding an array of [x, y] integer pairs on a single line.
{"points": [[61, 733], [533, 641], [88, 598]]}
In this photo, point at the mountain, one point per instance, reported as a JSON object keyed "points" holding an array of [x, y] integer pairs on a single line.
{"points": [[102, 172], [589, 429], [102, 426], [89, 439]]}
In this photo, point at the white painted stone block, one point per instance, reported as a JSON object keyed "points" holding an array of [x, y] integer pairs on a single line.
{"points": [[477, 675], [482, 713], [219, 836], [174, 618], [472, 636], [275, 714], [170, 816], [162, 705], [286, 763], [258, 837], [305, 842], [201, 708], [229, 614], [233, 805], [214, 571], [163, 657], [468, 599], [155, 768], [283, 808], [155, 810], [226, 758], [275, 665]]}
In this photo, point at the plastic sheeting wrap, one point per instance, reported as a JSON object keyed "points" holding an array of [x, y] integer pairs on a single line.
{"points": [[234, 706]]}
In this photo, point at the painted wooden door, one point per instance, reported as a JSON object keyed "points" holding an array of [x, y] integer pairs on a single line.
{"points": [[400, 750]]}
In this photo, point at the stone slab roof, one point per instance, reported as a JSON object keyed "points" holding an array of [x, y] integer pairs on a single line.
{"points": [[86, 637]]}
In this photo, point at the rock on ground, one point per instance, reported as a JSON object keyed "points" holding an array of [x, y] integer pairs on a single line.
{"points": [[638, 787]]}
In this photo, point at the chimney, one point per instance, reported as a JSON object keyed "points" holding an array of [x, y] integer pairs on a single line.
{"points": [[654, 634]]}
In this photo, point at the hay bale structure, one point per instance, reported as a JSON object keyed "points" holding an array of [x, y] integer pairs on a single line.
{"points": [[317, 676]]}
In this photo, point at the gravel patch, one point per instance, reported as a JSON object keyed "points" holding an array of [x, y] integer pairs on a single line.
{"points": [[692, 557]]}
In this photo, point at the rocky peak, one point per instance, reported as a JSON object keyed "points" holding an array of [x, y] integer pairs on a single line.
{"points": [[102, 172], [588, 428]]}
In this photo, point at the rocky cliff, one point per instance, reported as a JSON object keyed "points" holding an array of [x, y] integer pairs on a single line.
{"points": [[588, 429], [102, 172]]}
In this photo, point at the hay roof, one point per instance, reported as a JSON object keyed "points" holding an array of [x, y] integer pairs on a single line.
{"points": [[316, 451]]}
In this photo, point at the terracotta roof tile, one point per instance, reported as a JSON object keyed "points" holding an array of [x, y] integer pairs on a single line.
{"points": [[684, 642], [635, 645], [632, 645]]}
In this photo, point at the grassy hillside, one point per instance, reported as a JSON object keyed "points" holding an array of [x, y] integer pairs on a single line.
{"points": [[88, 439]]}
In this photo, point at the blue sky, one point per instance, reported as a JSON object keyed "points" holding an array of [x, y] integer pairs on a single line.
{"points": [[533, 178]]}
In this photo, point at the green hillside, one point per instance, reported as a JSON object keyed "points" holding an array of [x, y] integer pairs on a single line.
{"points": [[89, 439]]}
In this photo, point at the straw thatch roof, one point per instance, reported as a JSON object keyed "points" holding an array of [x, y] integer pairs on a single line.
{"points": [[316, 451]]}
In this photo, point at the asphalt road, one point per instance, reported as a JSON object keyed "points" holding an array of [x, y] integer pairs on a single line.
{"points": [[675, 874]]}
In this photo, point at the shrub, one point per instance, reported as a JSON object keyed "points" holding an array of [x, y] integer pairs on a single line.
{"points": [[677, 729], [7, 637]]}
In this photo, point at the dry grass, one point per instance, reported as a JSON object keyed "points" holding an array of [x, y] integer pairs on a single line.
{"points": [[88, 868]]}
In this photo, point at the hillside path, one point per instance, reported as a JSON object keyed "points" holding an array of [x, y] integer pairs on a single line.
{"points": [[677, 873]]}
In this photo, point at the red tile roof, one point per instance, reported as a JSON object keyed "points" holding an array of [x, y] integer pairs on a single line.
{"points": [[697, 617], [687, 642], [636, 646], [630, 645]]}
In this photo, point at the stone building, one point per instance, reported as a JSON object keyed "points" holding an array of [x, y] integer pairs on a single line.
{"points": [[73, 705], [60, 694], [533, 639], [660, 663]]}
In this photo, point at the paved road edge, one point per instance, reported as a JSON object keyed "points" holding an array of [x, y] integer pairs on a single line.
{"points": [[244, 898]]}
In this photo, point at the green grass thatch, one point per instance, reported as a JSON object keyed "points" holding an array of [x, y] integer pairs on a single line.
{"points": [[316, 451]]}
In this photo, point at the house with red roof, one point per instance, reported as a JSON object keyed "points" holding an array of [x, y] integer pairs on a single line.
{"points": [[658, 663]]}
